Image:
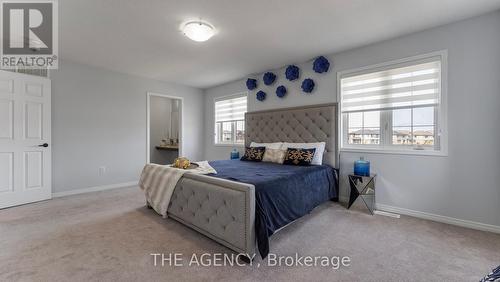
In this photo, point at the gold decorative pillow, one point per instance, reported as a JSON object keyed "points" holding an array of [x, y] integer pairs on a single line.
{"points": [[297, 156], [254, 154], [274, 156]]}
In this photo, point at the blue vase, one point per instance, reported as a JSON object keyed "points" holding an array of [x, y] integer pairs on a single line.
{"points": [[362, 167], [235, 154]]}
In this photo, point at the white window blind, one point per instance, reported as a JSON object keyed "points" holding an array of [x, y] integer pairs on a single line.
{"points": [[231, 109], [396, 107], [415, 84]]}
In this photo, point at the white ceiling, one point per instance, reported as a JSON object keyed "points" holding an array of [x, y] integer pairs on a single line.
{"points": [[143, 37]]}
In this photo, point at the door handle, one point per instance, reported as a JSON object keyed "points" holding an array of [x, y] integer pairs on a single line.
{"points": [[44, 145]]}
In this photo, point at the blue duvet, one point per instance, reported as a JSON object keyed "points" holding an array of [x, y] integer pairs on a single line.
{"points": [[283, 193]]}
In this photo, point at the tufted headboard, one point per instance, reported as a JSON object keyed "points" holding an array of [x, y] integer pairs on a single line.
{"points": [[317, 123]]}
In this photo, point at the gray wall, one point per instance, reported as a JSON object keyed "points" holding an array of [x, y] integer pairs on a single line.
{"points": [[464, 184], [99, 119]]}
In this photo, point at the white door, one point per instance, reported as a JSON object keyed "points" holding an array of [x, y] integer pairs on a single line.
{"points": [[25, 152]]}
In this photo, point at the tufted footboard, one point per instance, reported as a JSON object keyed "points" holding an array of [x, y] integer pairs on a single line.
{"points": [[220, 209]]}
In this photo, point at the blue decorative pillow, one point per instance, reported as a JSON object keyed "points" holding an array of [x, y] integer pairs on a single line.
{"points": [[307, 85], [321, 64], [298, 156], [292, 72], [261, 95], [269, 78], [281, 91], [251, 83], [253, 154], [493, 276]]}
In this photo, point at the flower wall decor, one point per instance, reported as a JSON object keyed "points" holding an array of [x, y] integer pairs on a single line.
{"points": [[269, 78], [261, 95], [321, 64], [251, 83], [281, 91], [292, 72], [307, 85]]}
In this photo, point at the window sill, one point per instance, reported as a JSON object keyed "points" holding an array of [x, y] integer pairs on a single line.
{"points": [[229, 145], [396, 152]]}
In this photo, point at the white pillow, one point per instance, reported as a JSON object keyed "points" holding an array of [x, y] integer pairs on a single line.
{"points": [[275, 145], [274, 156], [318, 154]]}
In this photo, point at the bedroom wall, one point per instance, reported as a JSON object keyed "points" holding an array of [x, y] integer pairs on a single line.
{"points": [[99, 119], [463, 185]]}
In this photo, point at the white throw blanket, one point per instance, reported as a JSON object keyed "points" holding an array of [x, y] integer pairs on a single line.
{"points": [[158, 183]]}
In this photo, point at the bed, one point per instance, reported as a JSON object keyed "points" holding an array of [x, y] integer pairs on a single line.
{"points": [[246, 202]]}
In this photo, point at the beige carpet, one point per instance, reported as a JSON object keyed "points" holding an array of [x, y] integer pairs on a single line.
{"points": [[108, 236]]}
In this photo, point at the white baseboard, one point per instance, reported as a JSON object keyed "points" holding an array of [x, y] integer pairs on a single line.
{"points": [[388, 214], [441, 218], [434, 217], [94, 189]]}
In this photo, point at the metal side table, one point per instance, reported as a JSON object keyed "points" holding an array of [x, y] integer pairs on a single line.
{"points": [[363, 186]]}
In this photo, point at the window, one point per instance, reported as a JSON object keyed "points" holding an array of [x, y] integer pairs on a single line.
{"points": [[395, 107], [230, 119]]}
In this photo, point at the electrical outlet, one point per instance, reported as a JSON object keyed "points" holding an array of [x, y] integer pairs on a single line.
{"points": [[102, 170]]}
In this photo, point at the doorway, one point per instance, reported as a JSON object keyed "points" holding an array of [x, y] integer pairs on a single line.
{"points": [[164, 124]]}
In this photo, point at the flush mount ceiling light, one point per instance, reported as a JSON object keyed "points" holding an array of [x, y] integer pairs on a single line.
{"points": [[198, 31]]}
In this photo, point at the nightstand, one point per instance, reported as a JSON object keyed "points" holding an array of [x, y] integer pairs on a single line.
{"points": [[363, 186]]}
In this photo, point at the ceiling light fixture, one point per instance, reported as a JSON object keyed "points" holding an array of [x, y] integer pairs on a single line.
{"points": [[198, 31]]}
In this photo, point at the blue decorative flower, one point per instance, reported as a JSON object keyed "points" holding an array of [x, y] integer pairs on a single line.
{"points": [[251, 83], [307, 85], [321, 64], [292, 72], [261, 95], [281, 91], [269, 78]]}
